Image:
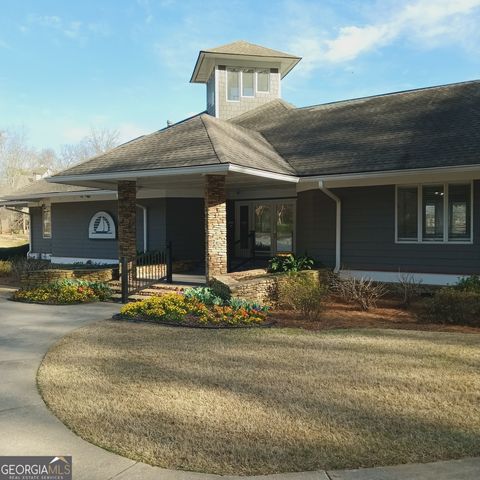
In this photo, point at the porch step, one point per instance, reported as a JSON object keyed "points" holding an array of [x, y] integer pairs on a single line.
{"points": [[156, 289]]}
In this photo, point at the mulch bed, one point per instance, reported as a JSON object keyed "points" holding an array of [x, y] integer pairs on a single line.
{"points": [[387, 314], [190, 323]]}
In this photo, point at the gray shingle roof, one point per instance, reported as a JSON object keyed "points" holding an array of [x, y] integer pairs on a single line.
{"points": [[200, 140], [241, 47], [432, 127]]}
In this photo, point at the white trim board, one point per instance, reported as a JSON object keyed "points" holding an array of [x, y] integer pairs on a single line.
{"points": [[394, 277]]}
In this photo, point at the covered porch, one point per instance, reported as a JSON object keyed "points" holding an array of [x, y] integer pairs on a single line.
{"points": [[217, 216]]}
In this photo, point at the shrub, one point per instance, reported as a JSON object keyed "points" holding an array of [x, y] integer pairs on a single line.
{"points": [[289, 263], [5, 268], [176, 308], [363, 292], [65, 292], [454, 306], [205, 295], [238, 303], [469, 284], [408, 288], [304, 294]]}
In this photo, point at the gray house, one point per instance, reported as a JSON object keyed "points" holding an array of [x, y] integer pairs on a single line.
{"points": [[369, 186]]}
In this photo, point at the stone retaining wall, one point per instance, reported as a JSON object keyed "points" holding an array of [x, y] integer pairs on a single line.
{"points": [[37, 278], [263, 289]]}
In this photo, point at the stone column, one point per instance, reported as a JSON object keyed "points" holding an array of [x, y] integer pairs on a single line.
{"points": [[127, 219], [215, 226]]}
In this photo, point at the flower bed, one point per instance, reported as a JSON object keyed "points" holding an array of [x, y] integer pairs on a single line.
{"points": [[64, 292], [190, 310]]}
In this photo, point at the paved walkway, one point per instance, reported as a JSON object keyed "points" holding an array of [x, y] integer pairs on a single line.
{"points": [[28, 428]]}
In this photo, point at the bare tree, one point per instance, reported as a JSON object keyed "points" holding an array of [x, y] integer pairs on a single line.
{"points": [[98, 141], [17, 158]]}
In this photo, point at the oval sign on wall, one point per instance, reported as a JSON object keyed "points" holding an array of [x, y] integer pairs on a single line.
{"points": [[102, 227]]}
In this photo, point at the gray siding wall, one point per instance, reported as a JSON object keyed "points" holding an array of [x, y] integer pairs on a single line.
{"points": [[368, 237], [156, 222], [39, 244], [316, 226], [70, 229], [186, 228]]}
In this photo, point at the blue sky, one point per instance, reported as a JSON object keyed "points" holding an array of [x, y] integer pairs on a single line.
{"points": [[126, 64]]}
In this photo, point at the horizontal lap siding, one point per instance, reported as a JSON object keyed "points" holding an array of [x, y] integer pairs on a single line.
{"points": [[156, 222], [70, 223], [316, 226], [39, 244], [368, 237]]}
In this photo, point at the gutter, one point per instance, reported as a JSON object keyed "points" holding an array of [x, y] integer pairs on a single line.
{"points": [[338, 224], [145, 227]]}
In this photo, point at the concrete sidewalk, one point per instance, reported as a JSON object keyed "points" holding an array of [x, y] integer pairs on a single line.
{"points": [[28, 428]]}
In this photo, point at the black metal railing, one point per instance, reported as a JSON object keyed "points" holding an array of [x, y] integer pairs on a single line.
{"points": [[251, 247], [147, 269]]}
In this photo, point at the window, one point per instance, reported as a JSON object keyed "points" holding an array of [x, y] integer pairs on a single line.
{"points": [[47, 221], [248, 89], [434, 213], [407, 213], [459, 216], [432, 199], [263, 81], [233, 84]]}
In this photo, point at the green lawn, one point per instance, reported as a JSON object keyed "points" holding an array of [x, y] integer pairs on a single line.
{"points": [[263, 401]]}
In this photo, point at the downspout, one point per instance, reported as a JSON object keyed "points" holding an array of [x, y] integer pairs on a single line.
{"points": [[338, 224], [145, 229]]}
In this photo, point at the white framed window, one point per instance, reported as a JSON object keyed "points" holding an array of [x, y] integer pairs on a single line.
{"points": [[263, 81], [47, 221], [434, 213], [248, 82], [233, 84]]}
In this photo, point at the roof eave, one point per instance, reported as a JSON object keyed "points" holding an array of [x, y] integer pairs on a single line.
{"points": [[287, 63]]}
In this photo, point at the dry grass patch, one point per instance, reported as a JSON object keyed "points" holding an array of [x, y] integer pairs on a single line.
{"points": [[12, 240], [251, 402]]}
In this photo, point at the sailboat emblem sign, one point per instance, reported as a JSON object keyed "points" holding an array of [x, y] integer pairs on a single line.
{"points": [[102, 227]]}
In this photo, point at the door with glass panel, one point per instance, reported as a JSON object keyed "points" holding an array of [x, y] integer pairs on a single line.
{"points": [[272, 224]]}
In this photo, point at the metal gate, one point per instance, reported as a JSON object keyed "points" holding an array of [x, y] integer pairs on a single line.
{"points": [[147, 269]]}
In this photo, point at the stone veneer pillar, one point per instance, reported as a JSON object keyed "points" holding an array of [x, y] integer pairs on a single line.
{"points": [[127, 219], [215, 226]]}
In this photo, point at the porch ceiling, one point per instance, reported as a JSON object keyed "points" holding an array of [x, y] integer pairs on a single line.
{"points": [[193, 184]]}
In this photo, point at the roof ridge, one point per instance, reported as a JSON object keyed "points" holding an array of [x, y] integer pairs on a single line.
{"points": [[348, 101], [253, 133], [286, 105], [216, 150]]}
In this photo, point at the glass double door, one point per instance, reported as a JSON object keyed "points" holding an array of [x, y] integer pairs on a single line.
{"points": [[270, 223]]}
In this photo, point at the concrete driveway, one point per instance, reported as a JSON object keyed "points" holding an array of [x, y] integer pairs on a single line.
{"points": [[28, 428]]}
